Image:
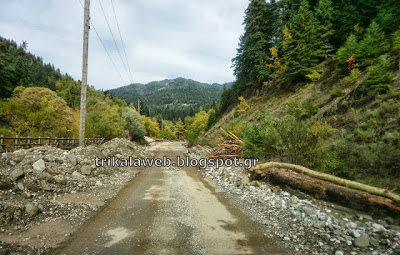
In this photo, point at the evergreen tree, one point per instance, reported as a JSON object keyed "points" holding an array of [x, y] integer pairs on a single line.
{"points": [[380, 78], [373, 44], [305, 46], [346, 17], [324, 15], [345, 52], [252, 54]]}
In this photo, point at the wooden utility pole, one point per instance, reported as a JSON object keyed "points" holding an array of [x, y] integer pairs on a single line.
{"points": [[84, 74]]}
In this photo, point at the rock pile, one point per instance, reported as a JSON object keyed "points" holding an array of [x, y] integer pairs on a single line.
{"points": [[305, 224], [32, 181]]}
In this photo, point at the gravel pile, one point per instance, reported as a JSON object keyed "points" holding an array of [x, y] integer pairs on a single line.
{"points": [[35, 184], [305, 224]]}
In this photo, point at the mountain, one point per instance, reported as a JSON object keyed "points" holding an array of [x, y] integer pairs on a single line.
{"points": [[171, 98]]}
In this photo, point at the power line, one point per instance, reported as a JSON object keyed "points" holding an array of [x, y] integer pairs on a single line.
{"points": [[112, 34], [104, 47], [122, 41]]}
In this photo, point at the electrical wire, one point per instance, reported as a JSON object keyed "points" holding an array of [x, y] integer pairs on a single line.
{"points": [[122, 41], [112, 34], [104, 47]]}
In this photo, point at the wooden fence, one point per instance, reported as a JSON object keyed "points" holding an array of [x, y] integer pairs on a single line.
{"points": [[14, 143]]}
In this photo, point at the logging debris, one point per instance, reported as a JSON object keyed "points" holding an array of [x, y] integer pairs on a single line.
{"points": [[227, 148]]}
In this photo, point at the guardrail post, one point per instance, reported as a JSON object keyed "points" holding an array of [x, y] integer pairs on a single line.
{"points": [[39, 141], [28, 141]]}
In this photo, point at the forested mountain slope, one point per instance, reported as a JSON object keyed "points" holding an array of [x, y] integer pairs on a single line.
{"points": [[171, 98], [36, 99], [321, 86]]}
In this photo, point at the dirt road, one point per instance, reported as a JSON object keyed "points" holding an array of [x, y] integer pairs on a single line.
{"points": [[169, 210]]}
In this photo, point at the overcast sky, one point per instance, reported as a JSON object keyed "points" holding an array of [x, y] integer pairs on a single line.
{"points": [[164, 39]]}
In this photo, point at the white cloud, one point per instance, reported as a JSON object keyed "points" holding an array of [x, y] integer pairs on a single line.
{"points": [[163, 38]]}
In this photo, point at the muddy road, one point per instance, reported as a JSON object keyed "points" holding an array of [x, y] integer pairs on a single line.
{"points": [[169, 210]]}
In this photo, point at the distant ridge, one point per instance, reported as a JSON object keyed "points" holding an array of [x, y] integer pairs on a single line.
{"points": [[171, 98]]}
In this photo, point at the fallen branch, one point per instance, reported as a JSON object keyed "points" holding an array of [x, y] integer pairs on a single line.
{"points": [[330, 178]]}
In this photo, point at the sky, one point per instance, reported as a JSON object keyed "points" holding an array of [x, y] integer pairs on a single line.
{"points": [[163, 39]]}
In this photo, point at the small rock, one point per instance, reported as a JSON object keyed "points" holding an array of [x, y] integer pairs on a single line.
{"points": [[378, 227], [352, 225], [374, 242], [60, 179], [26, 194], [39, 165], [362, 241], [245, 180], [355, 233], [286, 238], [86, 170], [28, 168], [276, 188], [309, 211], [76, 175], [31, 209], [339, 253], [319, 224], [255, 183], [45, 186], [294, 200], [16, 174], [20, 186], [72, 158]]}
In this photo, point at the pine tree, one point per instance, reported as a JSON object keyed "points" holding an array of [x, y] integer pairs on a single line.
{"points": [[346, 17], [324, 15], [373, 44], [345, 52], [252, 54], [305, 46]]}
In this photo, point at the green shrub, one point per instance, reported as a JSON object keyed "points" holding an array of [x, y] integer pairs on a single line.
{"points": [[380, 78], [310, 110], [353, 77], [315, 75], [336, 93], [289, 138], [332, 164]]}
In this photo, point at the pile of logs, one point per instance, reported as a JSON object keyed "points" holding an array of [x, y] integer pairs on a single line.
{"points": [[227, 148]]}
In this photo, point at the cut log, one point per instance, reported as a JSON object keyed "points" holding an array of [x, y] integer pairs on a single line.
{"points": [[356, 199], [330, 178]]}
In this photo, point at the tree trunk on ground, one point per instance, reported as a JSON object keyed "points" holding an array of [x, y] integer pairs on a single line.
{"points": [[356, 199], [331, 178]]}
